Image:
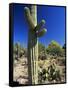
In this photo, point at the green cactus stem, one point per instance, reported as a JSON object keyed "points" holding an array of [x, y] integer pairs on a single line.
{"points": [[38, 27], [41, 33], [18, 50], [29, 18], [33, 34]]}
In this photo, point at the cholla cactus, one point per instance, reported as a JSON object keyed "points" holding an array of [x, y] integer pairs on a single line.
{"points": [[33, 34]]}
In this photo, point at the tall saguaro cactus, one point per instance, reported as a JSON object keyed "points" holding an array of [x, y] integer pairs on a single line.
{"points": [[33, 34]]}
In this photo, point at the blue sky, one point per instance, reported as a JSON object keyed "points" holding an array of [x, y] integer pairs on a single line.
{"points": [[55, 24]]}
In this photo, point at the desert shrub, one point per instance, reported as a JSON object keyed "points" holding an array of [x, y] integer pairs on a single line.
{"points": [[42, 76], [50, 74], [61, 61], [42, 57], [42, 52], [63, 71], [54, 49], [53, 74]]}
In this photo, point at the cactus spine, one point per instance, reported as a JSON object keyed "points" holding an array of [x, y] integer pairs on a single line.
{"points": [[33, 34]]}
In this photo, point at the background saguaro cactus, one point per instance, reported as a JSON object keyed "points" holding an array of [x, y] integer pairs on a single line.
{"points": [[18, 50], [33, 34]]}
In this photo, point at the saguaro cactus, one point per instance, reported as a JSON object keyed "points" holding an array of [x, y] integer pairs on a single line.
{"points": [[18, 50], [33, 34]]}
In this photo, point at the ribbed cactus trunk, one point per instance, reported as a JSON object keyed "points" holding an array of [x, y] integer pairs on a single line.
{"points": [[33, 34], [33, 49]]}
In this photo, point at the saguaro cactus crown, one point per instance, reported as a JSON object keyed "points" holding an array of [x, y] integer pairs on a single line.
{"points": [[34, 32]]}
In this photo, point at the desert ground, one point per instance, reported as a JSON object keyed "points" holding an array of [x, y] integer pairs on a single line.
{"points": [[20, 71]]}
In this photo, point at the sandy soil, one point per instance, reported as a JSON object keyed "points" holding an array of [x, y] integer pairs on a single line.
{"points": [[20, 72]]}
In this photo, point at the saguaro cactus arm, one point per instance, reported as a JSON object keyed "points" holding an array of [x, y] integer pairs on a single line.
{"points": [[31, 23], [29, 18], [38, 27], [41, 33]]}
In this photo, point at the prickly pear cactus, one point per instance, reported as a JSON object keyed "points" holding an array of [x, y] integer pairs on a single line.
{"points": [[33, 34]]}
